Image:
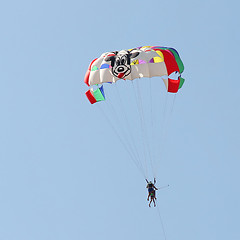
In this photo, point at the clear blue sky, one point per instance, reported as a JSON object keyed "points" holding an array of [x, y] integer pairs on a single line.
{"points": [[55, 179]]}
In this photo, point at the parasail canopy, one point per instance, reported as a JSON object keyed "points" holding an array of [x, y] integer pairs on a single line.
{"points": [[147, 61]]}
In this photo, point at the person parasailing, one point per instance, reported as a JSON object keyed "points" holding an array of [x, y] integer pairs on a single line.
{"points": [[151, 192]]}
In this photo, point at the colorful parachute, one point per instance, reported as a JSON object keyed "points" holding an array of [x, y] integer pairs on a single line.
{"points": [[147, 61], [136, 109]]}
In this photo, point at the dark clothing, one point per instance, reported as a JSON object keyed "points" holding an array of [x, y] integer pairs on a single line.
{"points": [[150, 189]]}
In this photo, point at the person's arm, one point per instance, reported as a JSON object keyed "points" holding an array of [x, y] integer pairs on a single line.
{"points": [[147, 183]]}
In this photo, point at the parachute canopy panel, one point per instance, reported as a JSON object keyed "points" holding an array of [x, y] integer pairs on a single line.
{"points": [[95, 95]]}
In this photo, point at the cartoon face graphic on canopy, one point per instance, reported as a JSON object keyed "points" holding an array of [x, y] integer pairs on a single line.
{"points": [[120, 62]]}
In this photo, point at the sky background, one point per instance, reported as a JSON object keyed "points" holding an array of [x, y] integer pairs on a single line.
{"points": [[58, 181]]}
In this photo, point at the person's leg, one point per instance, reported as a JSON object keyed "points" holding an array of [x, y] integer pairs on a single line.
{"points": [[150, 203], [149, 193], [154, 193], [154, 202]]}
